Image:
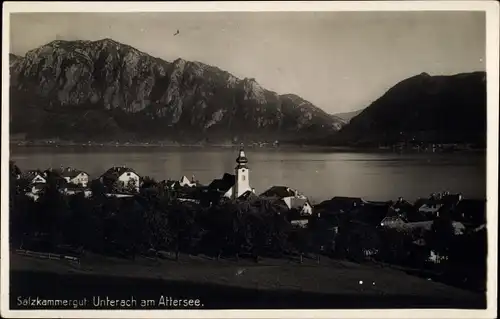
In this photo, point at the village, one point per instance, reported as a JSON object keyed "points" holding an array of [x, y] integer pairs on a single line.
{"points": [[422, 235]]}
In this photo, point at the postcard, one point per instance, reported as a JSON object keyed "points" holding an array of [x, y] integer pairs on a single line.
{"points": [[250, 159]]}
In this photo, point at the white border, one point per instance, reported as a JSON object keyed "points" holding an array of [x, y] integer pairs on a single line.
{"points": [[492, 62]]}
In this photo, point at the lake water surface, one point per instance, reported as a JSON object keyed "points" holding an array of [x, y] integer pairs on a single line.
{"points": [[318, 174]]}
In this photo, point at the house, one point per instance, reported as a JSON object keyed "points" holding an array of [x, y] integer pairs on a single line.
{"points": [[458, 227], [392, 222], [76, 190], [407, 210], [75, 176], [429, 207], [472, 211], [299, 223], [436, 202], [34, 177], [372, 213], [170, 184], [340, 204], [402, 205], [36, 190], [291, 197], [223, 186], [120, 179], [185, 182], [248, 195]]}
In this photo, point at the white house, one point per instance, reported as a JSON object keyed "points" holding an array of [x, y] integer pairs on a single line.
{"points": [[430, 208], [397, 222], [122, 178], [300, 223], [291, 197], [73, 191], [392, 222], [185, 182], [34, 177], [76, 177]]}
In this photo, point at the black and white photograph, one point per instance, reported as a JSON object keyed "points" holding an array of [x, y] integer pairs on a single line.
{"points": [[244, 158]]}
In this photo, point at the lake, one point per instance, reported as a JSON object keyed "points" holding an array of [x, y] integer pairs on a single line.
{"points": [[318, 174]]}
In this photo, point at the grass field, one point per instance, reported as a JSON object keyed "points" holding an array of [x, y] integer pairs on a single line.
{"points": [[227, 284]]}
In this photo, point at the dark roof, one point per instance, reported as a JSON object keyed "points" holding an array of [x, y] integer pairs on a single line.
{"points": [[54, 174], [402, 205], [451, 199], [31, 174], [224, 184], [172, 184], [371, 214], [116, 172], [298, 203], [472, 205], [278, 191], [248, 195], [337, 204], [472, 210], [410, 212], [71, 173], [429, 202]]}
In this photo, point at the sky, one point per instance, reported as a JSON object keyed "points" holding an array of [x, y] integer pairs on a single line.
{"points": [[339, 61]]}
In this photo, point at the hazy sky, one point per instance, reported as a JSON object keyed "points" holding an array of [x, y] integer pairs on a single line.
{"points": [[340, 61]]}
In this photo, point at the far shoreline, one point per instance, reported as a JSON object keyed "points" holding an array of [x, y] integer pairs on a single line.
{"points": [[282, 147]]}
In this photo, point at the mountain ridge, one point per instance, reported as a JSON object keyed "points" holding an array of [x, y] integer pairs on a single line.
{"points": [[133, 95], [108, 91], [423, 109]]}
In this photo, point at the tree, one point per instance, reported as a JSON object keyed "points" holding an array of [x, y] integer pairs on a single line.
{"points": [[131, 186], [53, 211], [148, 182], [441, 235], [15, 172], [97, 188], [395, 244]]}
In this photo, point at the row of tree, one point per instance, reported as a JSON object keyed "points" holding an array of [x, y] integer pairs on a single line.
{"points": [[155, 221]]}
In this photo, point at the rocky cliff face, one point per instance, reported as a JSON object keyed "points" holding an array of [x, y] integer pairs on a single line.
{"points": [[108, 90]]}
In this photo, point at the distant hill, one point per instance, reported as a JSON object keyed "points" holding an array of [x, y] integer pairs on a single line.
{"points": [[423, 108], [347, 116], [105, 90]]}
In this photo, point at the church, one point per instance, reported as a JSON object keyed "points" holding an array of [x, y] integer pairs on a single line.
{"points": [[237, 185]]}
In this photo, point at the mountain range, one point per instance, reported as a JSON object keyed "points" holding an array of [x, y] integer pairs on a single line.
{"points": [[108, 91], [83, 90]]}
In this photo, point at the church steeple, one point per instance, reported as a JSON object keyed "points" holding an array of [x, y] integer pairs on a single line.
{"points": [[242, 160], [242, 183]]}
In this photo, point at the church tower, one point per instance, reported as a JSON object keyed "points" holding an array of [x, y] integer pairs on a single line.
{"points": [[242, 182]]}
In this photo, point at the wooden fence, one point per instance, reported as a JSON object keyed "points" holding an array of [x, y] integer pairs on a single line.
{"points": [[51, 256]]}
